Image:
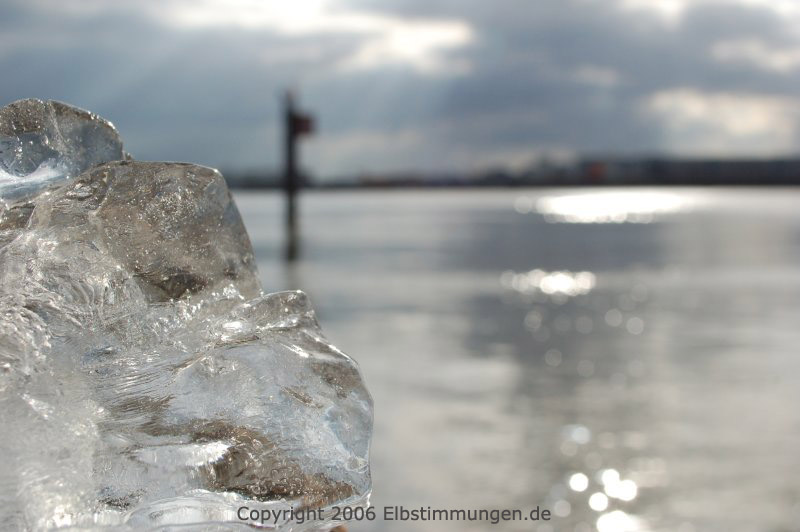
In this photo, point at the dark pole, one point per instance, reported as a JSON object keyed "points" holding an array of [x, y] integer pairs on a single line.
{"points": [[290, 183]]}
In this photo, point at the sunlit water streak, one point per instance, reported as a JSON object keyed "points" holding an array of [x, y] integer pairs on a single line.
{"points": [[555, 350], [629, 206]]}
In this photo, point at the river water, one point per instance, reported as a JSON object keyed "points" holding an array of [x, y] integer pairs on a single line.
{"points": [[628, 359]]}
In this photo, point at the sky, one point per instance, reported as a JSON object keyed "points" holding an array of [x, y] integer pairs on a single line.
{"points": [[417, 85]]}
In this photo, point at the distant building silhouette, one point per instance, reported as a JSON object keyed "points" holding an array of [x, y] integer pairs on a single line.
{"points": [[664, 171], [595, 171]]}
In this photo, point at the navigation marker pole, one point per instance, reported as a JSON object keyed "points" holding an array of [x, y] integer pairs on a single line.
{"points": [[296, 124]]}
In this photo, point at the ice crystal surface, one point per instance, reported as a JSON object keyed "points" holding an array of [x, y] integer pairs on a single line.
{"points": [[146, 381], [42, 142]]}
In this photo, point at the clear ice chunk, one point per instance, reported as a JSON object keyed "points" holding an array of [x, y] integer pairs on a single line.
{"points": [[146, 381], [44, 142]]}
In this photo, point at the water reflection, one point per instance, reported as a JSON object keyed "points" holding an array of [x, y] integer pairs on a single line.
{"points": [[598, 501], [578, 482], [616, 487], [556, 284], [605, 207], [640, 390], [619, 521]]}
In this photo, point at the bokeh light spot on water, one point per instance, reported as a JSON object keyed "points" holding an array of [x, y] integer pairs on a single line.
{"points": [[619, 521], [598, 502], [609, 476], [578, 482], [635, 325], [616, 487], [562, 508], [552, 357], [578, 434], [613, 318], [553, 283], [627, 490], [533, 320]]}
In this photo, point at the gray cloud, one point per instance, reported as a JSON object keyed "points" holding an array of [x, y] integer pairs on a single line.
{"points": [[534, 78]]}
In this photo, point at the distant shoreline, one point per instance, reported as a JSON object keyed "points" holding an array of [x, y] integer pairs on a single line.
{"points": [[588, 172], [552, 184]]}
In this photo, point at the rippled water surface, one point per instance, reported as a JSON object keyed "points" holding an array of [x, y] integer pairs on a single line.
{"points": [[628, 359]]}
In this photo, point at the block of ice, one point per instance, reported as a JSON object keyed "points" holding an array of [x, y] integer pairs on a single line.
{"points": [[42, 142], [145, 378]]}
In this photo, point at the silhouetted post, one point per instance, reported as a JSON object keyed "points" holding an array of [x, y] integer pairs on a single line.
{"points": [[296, 124]]}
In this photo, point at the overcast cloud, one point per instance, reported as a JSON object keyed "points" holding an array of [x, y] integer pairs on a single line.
{"points": [[420, 84]]}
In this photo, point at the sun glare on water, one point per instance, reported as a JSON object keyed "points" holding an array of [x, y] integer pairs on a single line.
{"points": [[604, 207]]}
